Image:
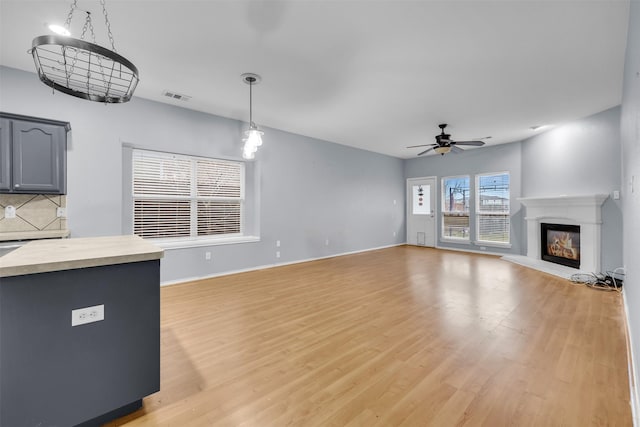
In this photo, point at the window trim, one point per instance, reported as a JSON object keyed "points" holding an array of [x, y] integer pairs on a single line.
{"points": [[184, 242], [478, 213], [443, 237]]}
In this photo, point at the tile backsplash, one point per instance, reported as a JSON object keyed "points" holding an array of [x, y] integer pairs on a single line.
{"points": [[33, 213]]}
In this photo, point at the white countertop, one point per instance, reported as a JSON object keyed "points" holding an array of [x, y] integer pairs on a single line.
{"points": [[42, 256]]}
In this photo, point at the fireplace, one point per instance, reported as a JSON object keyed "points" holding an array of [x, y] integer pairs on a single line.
{"points": [[560, 243], [584, 211]]}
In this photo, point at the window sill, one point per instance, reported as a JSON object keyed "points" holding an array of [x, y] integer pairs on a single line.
{"points": [[456, 241], [194, 243], [493, 244]]}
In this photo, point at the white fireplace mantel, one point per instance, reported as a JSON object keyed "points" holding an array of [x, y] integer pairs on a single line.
{"points": [[585, 211]]}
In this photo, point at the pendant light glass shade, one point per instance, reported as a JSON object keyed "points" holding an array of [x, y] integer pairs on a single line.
{"points": [[253, 138], [248, 154]]}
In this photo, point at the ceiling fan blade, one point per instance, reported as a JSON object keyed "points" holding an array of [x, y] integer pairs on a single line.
{"points": [[423, 145], [426, 151], [455, 149], [473, 143]]}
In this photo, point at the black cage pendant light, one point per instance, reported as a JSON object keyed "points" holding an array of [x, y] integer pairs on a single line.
{"points": [[82, 68]]}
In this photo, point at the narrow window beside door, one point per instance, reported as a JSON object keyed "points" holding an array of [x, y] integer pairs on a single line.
{"points": [[455, 208]]}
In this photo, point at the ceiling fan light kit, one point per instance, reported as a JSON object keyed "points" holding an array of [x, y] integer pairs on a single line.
{"points": [[253, 138], [444, 144], [84, 69], [442, 150]]}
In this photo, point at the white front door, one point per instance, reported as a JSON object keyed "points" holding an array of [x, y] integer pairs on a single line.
{"points": [[421, 205]]}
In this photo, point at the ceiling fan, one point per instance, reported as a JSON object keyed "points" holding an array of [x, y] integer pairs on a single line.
{"points": [[444, 144]]}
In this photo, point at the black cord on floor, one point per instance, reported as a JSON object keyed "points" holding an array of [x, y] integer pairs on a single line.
{"points": [[611, 281]]}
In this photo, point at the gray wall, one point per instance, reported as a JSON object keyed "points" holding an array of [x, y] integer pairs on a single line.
{"points": [[630, 131], [310, 191], [501, 158], [579, 158]]}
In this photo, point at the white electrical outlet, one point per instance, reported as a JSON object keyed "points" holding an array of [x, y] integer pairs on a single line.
{"points": [[10, 212], [86, 315], [277, 243], [207, 256], [61, 212], [394, 234], [326, 242], [616, 195], [277, 254]]}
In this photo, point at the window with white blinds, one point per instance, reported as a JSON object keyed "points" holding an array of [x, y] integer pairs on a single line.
{"points": [[493, 208], [185, 196]]}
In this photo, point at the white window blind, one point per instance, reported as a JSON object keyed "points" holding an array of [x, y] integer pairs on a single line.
{"points": [[455, 208], [216, 178], [184, 196], [493, 207], [215, 218]]}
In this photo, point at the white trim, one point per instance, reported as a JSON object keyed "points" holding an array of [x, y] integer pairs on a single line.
{"points": [[170, 244], [447, 248], [493, 244], [634, 381], [456, 240], [265, 266]]}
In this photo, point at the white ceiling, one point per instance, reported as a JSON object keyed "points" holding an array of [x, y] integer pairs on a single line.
{"points": [[378, 75]]}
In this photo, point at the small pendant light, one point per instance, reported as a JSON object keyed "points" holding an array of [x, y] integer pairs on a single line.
{"points": [[253, 138]]}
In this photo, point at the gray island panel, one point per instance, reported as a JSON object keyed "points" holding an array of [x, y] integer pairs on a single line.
{"points": [[53, 374]]}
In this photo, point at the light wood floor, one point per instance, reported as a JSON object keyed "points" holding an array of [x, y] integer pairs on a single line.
{"points": [[404, 336]]}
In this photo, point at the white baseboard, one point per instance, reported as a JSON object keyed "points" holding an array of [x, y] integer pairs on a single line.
{"points": [[634, 394], [265, 266], [474, 251]]}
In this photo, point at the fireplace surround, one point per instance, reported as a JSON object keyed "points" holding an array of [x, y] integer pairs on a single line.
{"points": [[582, 211]]}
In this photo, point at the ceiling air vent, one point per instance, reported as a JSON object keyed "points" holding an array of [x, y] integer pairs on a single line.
{"points": [[176, 96]]}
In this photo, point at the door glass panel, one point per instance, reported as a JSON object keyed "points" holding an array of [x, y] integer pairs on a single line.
{"points": [[421, 199]]}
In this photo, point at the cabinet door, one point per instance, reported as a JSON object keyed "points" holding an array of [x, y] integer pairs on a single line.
{"points": [[5, 155], [38, 158]]}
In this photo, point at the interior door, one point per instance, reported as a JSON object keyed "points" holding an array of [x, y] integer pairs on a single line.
{"points": [[421, 205]]}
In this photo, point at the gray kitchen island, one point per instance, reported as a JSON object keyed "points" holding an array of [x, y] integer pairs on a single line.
{"points": [[79, 330]]}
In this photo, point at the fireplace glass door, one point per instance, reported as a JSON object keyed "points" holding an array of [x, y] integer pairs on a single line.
{"points": [[560, 244]]}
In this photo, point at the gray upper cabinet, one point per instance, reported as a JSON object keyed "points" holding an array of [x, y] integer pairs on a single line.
{"points": [[33, 155], [5, 155]]}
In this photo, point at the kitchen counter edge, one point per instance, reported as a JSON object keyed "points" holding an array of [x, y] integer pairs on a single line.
{"points": [[42, 256]]}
